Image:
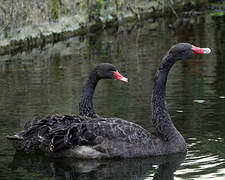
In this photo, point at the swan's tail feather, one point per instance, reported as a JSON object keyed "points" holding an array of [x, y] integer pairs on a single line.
{"points": [[52, 134], [14, 137]]}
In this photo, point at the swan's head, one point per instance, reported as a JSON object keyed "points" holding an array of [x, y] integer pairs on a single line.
{"points": [[108, 71], [185, 50]]}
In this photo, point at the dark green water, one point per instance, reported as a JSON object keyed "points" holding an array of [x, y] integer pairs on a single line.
{"points": [[50, 79]]}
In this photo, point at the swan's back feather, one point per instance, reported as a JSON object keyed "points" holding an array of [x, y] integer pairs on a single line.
{"points": [[60, 132]]}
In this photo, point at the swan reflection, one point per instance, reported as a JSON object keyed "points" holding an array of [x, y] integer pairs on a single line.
{"points": [[160, 168]]}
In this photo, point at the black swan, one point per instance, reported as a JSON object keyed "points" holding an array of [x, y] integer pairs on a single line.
{"points": [[101, 71], [96, 138]]}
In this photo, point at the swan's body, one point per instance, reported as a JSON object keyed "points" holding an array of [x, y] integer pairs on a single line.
{"points": [[83, 137]]}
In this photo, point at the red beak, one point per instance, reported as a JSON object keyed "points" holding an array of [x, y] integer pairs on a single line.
{"points": [[198, 50], [118, 76]]}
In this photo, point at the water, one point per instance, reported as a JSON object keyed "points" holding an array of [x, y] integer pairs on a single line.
{"points": [[49, 80]]}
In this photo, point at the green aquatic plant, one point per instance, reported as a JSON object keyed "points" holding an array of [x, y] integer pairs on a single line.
{"points": [[104, 10], [54, 9], [217, 14], [9, 35]]}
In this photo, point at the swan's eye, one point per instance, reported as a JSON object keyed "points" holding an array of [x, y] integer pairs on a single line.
{"points": [[112, 70]]}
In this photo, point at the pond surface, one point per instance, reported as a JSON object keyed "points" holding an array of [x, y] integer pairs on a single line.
{"points": [[49, 80]]}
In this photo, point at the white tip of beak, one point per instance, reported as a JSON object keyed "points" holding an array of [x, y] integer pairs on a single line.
{"points": [[124, 79], [206, 50]]}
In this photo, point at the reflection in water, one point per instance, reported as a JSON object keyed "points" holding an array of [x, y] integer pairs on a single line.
{"points": [[160, 168]]}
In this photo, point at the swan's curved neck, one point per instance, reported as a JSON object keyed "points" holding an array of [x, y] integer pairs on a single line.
{"points": [[86, 105], [160, 115]]}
